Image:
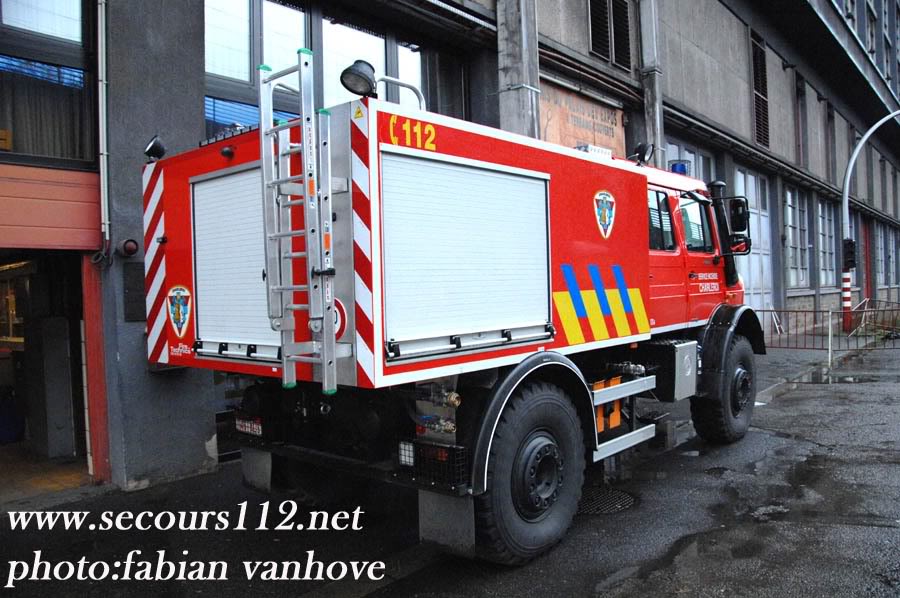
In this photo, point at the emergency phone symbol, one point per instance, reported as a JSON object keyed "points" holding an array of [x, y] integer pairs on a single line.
{"points": [[605, 209], [178, 302]]}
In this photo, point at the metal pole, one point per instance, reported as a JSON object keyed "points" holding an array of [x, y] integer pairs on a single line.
{"points": [[830, 339], [846, 304]]}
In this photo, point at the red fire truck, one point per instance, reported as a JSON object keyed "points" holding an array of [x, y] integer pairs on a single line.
{"points": [[446, 306]]}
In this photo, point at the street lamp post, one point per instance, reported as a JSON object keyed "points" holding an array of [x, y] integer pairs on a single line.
{"points": [[846, 302]]}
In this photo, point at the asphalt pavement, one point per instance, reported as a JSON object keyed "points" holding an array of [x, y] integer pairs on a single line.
{"points": [[807, 504]]}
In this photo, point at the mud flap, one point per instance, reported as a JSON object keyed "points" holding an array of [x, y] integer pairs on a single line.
{"points": [[448, 521], [256, 466]]}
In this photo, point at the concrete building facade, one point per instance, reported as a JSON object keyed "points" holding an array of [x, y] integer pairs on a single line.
{"points": [[769, 97]]}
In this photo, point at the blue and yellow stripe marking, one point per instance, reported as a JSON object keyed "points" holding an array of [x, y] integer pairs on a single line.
{"points": [[574, 292], [599, 289], [574, 305], [570, 323]]}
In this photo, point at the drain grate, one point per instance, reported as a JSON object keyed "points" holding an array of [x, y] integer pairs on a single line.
{"points": [[603, 500]]}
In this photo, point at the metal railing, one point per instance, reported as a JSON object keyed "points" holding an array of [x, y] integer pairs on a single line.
{"points": [[874, 325]]}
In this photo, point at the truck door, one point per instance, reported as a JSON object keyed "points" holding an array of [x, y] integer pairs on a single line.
{"points": [[668, 286], [703, 267]]}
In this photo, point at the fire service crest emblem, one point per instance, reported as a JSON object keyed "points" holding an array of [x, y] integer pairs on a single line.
{"points": [[605, 210], [178, 304]]}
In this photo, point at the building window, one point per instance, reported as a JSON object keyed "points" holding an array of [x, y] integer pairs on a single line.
{"points": [[661, 237], [830, 144], [871, 30], [883, 200], [695, 219], [222, 115], [227, 41], [797, 242], [886, 58], [760, 90], [800, 130], [894, 192], [870, 175], [243, 33], [700, 163], [880, 248], [852, 140], [610, 31], [826, 231], [342, 44], [47, 91], [56, 18], [284, 30]]}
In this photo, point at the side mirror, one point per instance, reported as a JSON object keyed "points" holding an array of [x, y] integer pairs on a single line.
{"points": [[739, 215]]}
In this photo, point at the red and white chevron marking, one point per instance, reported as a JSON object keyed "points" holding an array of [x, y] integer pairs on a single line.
{"points": [[155, 264], [362, 243]]}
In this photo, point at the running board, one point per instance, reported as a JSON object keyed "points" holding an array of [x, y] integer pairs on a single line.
{"points": [[626, 441], [625, 389]]}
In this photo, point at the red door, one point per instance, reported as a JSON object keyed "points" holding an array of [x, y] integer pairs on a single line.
{"points": [[668, 286], [703, 270]]}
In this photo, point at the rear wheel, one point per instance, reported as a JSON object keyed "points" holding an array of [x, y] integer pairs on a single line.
{"points": [[723, 416], [535, 475]]}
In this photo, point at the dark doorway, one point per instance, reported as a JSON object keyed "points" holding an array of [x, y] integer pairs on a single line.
{"points": [[43, 438]]}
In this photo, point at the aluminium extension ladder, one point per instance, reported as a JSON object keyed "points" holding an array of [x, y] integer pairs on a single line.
{"points": [[310, 188]]}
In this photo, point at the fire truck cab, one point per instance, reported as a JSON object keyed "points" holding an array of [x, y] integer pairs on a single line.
{"points": [[447, 306]]}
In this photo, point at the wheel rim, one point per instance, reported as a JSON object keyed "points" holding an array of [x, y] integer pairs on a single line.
{"points": [[537, 475], [741, 390]]}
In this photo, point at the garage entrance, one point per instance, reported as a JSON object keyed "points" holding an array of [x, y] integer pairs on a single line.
{"points": [[44, 430]]}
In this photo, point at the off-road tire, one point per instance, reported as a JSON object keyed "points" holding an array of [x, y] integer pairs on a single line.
{"points": [[539, 425], [715, 416]]}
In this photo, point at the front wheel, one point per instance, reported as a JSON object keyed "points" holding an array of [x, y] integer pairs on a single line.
{"points": [[535, 475], [723, 416]]}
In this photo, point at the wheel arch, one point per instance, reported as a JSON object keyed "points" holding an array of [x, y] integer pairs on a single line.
{"points": [[725, 323], [547, 367]]}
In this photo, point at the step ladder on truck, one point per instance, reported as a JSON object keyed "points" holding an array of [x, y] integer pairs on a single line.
{"points": [[443, 305]]}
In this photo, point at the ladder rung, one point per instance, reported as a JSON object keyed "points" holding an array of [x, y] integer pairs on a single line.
{"points": [[304, 359], [295, 148], [282, 127], [290, 203], [293, 254], [297, 307], [289, 288], [282, 73], [287, 179], [290, 233]]}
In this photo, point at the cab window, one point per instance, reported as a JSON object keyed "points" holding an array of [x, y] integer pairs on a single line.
{"points": [[661, 236], [695, 218]]}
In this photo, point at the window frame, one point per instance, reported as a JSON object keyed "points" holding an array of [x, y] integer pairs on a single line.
{"points": [[662, 198], [796, 206], [826, 223], [611, 37], [706, 227]]}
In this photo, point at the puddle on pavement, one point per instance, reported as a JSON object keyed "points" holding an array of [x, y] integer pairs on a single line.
{"points": [[826, 377]]}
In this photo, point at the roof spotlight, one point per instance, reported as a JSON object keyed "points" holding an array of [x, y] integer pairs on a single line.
{"points": [[155, 150], [359, 79], [643, 153]]}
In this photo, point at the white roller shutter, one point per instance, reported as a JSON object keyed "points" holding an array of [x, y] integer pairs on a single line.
{"points": [[465, 251], [230, 295]]}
